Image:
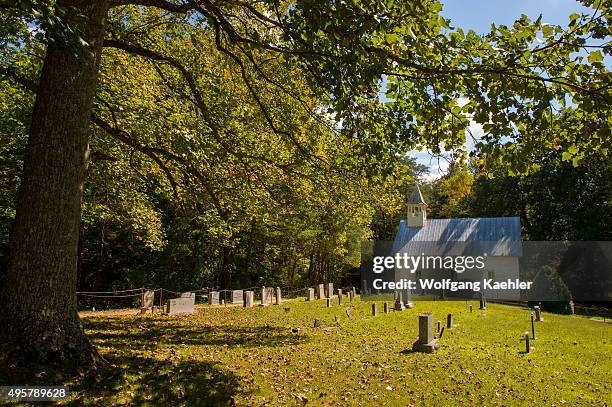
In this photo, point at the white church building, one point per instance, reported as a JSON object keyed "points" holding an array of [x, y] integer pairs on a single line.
{"points": [[496, 240]]}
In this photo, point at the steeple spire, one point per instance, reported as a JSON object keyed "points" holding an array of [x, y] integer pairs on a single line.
{"points": [[417, 208], [417, 197]]}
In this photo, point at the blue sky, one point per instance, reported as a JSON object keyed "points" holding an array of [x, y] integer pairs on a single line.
{"points": [[478, 15]]}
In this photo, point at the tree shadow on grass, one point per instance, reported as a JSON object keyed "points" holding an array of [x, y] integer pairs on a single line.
{"points": [[137, 380], [113, 332], [150, 372], [167, 377], [155, 362], [142, 381]]}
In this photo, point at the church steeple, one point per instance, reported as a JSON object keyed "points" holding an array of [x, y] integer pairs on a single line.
{"points": [[417, 208]]}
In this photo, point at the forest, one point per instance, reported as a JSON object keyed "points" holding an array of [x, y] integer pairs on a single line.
{"points": [[231, 143]]}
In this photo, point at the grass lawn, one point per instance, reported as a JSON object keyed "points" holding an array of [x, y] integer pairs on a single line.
{"points": [[237, 356]]}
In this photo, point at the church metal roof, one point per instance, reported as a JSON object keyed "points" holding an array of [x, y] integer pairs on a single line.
{"points": [[462, 236]]}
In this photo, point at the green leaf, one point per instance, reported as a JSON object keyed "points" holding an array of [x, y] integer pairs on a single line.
{"points": [[392, 38], [548, 31], [595, 56], [573, 18]]}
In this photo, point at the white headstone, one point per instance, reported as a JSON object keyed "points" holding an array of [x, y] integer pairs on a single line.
{"points": [[538, 312], [321, 291], [310, 294], [265, 300], [399, 304], [213, 298], [147, 299], [483, 301], [249, 298], [183, 305], [237, 297], [330, 290], [278, 298]]}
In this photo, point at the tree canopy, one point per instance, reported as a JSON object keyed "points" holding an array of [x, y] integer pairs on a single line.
{"points": [[235, 142]]}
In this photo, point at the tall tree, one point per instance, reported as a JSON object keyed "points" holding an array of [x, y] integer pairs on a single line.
{"points": [[39, 316], [344, 49]]}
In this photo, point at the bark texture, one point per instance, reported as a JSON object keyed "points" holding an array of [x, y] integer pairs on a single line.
{"points": [[38, 313]]}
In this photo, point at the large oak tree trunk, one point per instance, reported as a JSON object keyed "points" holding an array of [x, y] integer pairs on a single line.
{"points": [[38, 311]]}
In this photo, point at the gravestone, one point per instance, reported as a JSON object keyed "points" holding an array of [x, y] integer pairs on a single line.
{"points": [[249, 299], [538, 312], [213, 298], [337, 319], [470, 309], [266, 296], [182, 305], [366, 289], [375, 310], [317, 322], [527, 344], [339, 296], [147, 299], [237, 296], [321, 291], [386, 307], [426, 342], [352, 294], [449, 321], [279, 300], [408, 301], [439, 326], [187, 294], [310, 294], [533, 332], [399, 304], [329, 302], [349, 313], [330, 290], [483, 301]]}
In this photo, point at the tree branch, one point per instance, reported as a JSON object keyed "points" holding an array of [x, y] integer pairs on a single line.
{"points": [[124, 137], [160, 4], [12, 74]]}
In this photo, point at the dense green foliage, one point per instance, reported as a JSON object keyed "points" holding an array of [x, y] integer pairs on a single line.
{"points": [[238, 144], [559, 201]]}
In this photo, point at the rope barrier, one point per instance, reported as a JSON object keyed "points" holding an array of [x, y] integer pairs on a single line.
{"points": [[176, 292], [115, 294], [110, 292], [110, 296]]}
